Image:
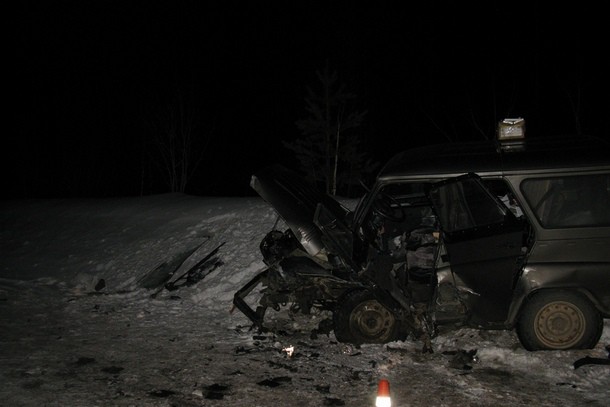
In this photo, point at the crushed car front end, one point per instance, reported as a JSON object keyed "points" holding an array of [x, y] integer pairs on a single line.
{"points": [[299, 271]]}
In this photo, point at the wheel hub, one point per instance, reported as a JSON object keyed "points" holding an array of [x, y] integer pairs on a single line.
{"points": [[372, 320], [560, 325]]}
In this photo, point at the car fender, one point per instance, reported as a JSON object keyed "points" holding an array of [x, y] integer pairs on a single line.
{"points": [[583, 278]]}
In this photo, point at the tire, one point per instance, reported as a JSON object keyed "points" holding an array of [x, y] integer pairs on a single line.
{"points": [[360, 318], [559, 320]]}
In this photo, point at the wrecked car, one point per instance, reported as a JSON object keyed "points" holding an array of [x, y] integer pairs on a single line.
{"points": [[508, 234]]}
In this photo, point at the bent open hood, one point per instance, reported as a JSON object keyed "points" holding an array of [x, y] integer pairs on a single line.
{"points": [[296, 201]]}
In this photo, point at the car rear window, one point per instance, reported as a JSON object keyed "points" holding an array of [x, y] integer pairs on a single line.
{"points": [[569, 201]]}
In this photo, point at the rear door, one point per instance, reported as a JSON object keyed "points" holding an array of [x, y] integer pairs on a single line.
{"points": [[483, 240]]}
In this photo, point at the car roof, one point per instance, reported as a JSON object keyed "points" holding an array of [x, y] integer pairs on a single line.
{"points": [[491, 157]]}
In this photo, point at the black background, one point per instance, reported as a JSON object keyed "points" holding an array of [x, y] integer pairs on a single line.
{"points": [[88, 75]]}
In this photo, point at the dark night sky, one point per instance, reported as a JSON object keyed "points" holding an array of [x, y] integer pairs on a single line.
{"points": [[89, 75]]}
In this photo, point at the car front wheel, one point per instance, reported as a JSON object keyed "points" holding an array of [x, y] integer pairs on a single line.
{"points": [[558, 320], [360, 318]]}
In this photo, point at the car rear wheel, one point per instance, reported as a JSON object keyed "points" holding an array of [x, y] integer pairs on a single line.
{"points": [[360, 318], [558, 320]]}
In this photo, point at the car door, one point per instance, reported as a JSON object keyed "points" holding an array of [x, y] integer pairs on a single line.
{"points": [[483, 241]]}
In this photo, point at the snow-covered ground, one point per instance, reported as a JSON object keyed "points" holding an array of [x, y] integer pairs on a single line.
{"points": [[78, 329]]}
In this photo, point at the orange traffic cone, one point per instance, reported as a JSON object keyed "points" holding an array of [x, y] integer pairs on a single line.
{"points": [[383, 394]]}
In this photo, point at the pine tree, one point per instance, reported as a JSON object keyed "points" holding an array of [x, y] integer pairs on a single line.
{"points": [[329, 151]]}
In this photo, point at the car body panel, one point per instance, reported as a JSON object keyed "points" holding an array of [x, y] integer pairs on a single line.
{"points": [[296, 201], [487, 158]]}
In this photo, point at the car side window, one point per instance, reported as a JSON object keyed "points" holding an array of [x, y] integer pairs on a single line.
{"points": [[466, 205], [569, 201]]}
